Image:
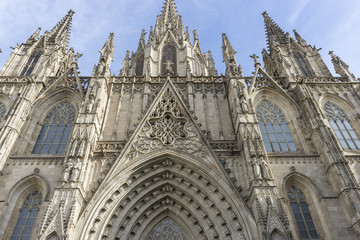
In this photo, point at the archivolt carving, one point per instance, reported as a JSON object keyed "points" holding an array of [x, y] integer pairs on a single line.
{"points": [[167, 186], [167, 126]]}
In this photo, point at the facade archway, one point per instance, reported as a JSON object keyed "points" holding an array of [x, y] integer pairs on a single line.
{"points": [[166, 186]]}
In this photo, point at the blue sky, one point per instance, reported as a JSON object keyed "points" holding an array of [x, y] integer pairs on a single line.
{"points": [[329, 24]]}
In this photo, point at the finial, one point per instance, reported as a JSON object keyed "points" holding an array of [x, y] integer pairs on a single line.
{"points": [[255, 58]]}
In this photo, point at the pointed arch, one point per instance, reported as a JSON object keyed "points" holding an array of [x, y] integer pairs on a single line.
{"points": [[274, 128], [290, 110], [31, 62], [19, 205], [168, 60], [53, 236], [199, 64], [277, 235], [40, 110], [167, 182], [304, 204], [167, 228], [139, 67], [302, 63], [55, 131]]}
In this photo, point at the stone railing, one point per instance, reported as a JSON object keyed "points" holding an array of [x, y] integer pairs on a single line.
{"points": [[322, 79], [224, 145], [177, 79], [35, 160], [17, 79], [84, 82], [294, 159], [109, 146]]}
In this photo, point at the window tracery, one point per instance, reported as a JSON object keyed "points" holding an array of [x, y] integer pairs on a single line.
{"points": [[139, 65], [302, 64], [55, 131], [274, 129], [166, 230], [341, 126], [302, 214], [30, 64], [27, 217], [168, 60]]}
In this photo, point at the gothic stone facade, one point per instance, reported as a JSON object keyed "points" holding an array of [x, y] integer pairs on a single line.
{"points": [[169, 149]]}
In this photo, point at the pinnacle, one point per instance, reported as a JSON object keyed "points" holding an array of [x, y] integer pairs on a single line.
{"points": [[273, 31], [60, 33]]}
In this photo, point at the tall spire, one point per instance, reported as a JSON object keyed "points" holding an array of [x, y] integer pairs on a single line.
{"points": [[61, 32], [275, 35], [169, 19], [169, 14]]}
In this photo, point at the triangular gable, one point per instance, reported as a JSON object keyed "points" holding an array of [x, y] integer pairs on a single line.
{"points": [[167, 125], [70, 79], [262, 79], [56, 225]]}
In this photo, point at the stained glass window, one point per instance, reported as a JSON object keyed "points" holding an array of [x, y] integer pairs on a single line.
{"points": [[139, 65], [55, 131], [2, 111], [166, 230], [302, 64], [302, 214], [341, 126], [274, 129], [168, 58], [29, 67], [27, 217]]}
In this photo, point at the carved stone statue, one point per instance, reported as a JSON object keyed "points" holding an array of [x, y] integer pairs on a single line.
{"points": [[264, 169], [76, 171], [66, 172], [257, 169]]}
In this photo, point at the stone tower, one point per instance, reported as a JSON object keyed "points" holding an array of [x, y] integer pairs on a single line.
{"points": [[169, 149]]}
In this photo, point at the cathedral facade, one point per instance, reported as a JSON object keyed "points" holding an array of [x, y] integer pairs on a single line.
{"points": [[170, 149]]}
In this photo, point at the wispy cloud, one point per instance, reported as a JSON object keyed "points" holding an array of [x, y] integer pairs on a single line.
{"points": [[299, 7]]}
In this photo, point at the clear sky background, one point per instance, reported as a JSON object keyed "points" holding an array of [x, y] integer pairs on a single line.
{"points": [[329, 24]]}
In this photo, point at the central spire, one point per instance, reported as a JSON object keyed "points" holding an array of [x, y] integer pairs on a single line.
{"points": [[169, 13], [169, 19]]}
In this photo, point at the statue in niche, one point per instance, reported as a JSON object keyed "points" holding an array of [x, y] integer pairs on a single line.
{"points": [[66, 172], [264, 169], [76, 171], [257, 169]]}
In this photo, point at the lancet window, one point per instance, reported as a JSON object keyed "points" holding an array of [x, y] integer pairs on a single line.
{"points": [[26, 219], [199, 70], [139, 65], [30, 65], [302, 215], [168, 60], [166, 230], [341, 126], [55, 131], [274, 129], [2, 111], [302, 64]]}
